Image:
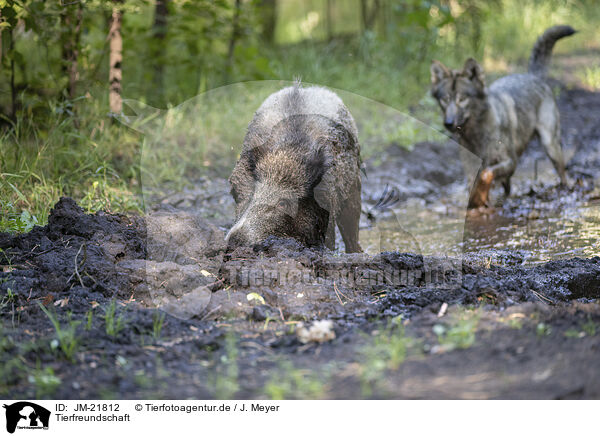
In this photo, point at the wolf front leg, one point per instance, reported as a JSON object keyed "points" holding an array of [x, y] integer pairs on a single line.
{"points": [[481, 189]]}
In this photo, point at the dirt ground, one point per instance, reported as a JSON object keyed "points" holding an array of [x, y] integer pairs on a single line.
{"points": [[500, 321]]}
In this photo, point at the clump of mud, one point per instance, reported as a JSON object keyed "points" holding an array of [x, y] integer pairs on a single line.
{"points": [[74, 254]]}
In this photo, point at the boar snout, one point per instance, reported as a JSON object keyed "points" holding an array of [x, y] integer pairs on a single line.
{"points": [[235, 239], [237, 235]]}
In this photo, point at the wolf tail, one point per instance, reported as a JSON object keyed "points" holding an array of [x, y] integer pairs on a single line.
{"points": [[542, 50]]}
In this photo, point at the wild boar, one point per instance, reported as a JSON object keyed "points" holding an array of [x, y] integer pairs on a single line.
{"points": [[298, 174]]}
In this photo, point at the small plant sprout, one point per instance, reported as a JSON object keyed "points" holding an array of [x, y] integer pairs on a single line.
{"points": [[66, 336], [89, 319], [158, 319], [113, 323], [460, 333]]}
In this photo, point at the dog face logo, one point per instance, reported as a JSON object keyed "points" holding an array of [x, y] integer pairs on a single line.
{"points": [[26, 415]]}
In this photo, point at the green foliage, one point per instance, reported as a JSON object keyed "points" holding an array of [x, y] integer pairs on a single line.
{"points": [[460, 332], [8, 298], [158, 319], [44, 382], [113, 323], [66, 335], [542, 329], [14, 222], [590, 77], [289, 382], [11, 365], [386, 351], [588, 328], [515, 323], [89, 319], [226, 373]]}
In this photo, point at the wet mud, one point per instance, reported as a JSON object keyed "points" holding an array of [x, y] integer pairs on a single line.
{"points": [[158, 307]]}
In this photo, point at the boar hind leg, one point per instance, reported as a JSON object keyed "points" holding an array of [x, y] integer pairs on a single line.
{"points": [[348, 221]]}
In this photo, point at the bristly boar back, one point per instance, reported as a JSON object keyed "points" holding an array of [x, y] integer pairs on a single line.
{"points": [[298, 174]]}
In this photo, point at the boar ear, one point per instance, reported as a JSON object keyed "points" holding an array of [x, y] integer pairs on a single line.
{"points": [[316, 166], [438, 72], [253, 156], [473, 71]]}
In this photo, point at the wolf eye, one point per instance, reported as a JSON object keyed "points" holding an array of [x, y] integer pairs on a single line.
{"points": [[463, 99]]}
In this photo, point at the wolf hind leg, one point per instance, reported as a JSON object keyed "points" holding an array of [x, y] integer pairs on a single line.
{"points": [[506, 186], [548, 130]]}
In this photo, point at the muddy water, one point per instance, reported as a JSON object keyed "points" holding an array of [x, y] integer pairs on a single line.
{"points": [[572, 232], [434, 233], [568, 233]]}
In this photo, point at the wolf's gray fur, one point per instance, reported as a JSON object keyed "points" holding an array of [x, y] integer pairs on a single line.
{"points": [[298, 173], [497, 122]]}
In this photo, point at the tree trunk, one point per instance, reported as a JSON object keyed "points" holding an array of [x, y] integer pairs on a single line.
{"points": [[235, 34], [368, 17], [363, 15], [158, 49], [116, 57], [329, 16], [13, 90], [1, 29], [384, 13], [268, 14], [71, 24]]}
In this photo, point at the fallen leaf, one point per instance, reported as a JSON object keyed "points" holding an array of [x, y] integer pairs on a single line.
{"points": [[62, 303]]}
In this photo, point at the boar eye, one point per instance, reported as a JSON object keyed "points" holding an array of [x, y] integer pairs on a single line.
{"points": [[284, 204]]}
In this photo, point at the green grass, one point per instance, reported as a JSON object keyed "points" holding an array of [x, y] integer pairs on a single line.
{"points": [[289, 382], [113, 323], [386, 351], [459, 332], [158, 320], [588, 328], [226, 372], [11, 366], [44, 159], [542, 329], [66, 335], [44, 382], [590, 77]]}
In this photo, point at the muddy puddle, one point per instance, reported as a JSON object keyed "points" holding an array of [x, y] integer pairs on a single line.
{"points": [[574, 232]]}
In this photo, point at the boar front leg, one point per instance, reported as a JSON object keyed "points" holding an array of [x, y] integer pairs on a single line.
{"points": [[348, 221], [330, 234]]}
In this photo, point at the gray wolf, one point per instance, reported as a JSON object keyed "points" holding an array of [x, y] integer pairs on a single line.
{"points": [[298, 174], [497, 122]]}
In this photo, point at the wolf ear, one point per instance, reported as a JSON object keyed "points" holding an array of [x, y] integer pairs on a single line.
{"points": [[473, 71], [438, 72]]}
